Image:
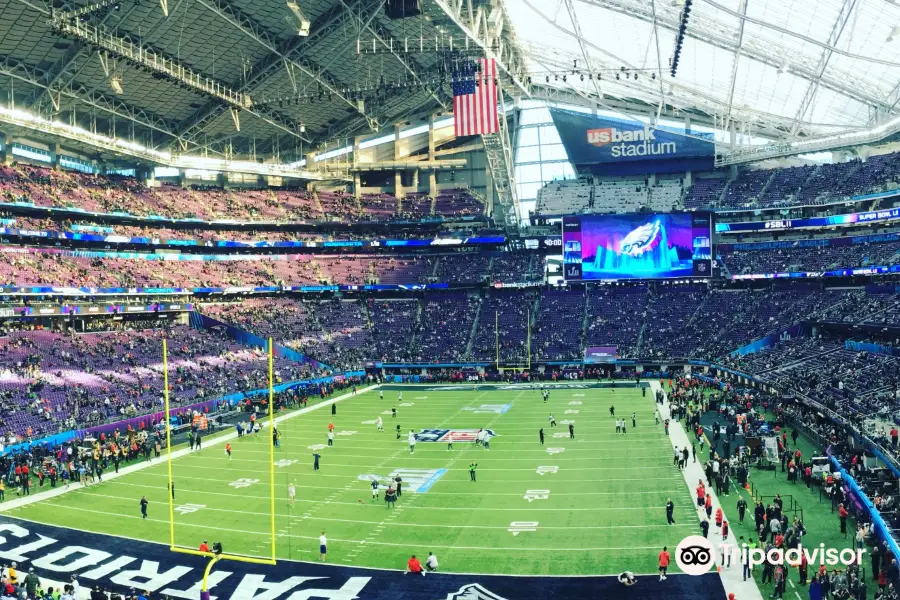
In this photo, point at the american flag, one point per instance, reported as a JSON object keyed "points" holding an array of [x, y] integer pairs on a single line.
{"points": [[475, 98]]}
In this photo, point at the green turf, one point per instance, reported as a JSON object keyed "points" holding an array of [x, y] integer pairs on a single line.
{"points": [[822, 526], [604, 513]]}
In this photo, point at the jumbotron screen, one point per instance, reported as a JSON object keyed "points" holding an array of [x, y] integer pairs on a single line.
{"points": [[637, 246]]}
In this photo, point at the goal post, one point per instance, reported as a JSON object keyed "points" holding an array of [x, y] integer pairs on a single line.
{"points": [[181, 549]]}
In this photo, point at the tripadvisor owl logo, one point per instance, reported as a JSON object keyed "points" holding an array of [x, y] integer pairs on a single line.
{"points": [[694, 555]]}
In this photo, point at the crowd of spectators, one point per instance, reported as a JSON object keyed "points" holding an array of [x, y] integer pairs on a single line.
{"points": [[49, 381], [43, 186], [798, 258], [56, 267]]}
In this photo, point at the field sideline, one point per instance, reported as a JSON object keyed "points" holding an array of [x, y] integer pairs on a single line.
{"points": [[589, 505]]}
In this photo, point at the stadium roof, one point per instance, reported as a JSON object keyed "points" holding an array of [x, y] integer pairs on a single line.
{"points": [[249, 47], [786, 68], [777, 69]]}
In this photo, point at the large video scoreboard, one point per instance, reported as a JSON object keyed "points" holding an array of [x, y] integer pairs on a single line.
{"points": [[637, 246]]}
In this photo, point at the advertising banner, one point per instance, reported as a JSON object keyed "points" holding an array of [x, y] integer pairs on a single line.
{"points": [[599, 354], [889, 214], [607, 146]]}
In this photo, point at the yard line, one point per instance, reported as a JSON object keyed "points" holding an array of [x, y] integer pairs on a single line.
{"points": [[308, 537], [436, 453], [424, 525], [430, 493], [466, 508], [554, 458]]}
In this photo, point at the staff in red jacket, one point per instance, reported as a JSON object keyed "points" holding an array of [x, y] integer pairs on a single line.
{"points": [[414, 566], [842, 515]]}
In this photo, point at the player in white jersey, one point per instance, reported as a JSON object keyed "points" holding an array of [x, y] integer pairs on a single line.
{"points": [[292, 493], [379, 424]]}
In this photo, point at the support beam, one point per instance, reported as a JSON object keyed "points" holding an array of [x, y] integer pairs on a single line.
{"points": [[486, 31], [681, 95], [258, 33], [843, 18], [379, 37], [12, 67], [737, 59], [499, 153], [296, 48], [172, 70], [77, 50], [570, 6], [761, 49]]}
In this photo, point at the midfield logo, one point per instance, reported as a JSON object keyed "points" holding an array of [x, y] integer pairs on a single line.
{"points": [[445, 435]]}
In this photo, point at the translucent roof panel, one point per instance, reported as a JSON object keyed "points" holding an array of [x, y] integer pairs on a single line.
{"points": [[801, 67]]}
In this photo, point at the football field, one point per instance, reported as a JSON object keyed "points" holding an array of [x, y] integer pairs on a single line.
{"points": [[589, 505]]}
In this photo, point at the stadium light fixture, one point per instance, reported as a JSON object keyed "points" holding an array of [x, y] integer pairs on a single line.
{"points": [[302, 22], [895, 30], [116, 84]]}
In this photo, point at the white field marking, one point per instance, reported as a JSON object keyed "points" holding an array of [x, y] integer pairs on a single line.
{"points": [[296, 520], [185, 509], [385, 522], [387, 412], [547, 469], [560, 434], [285, 462], [313, 447], [568, 422], [575, 403], [369, 422], [552, 451], [421, 398], [517, 527], [346, 432], [572, 411], [243, 483], [532, 495], [439, 450], [667, 490], [374, 440], [393, 514], [406, 404], [578, 395]]}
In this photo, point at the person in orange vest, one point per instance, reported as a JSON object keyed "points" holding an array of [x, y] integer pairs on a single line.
{"points": [[719, 517], [331, 427], [204, 547], [228, 450]]}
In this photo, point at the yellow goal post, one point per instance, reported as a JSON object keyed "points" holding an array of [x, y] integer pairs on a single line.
{"points": [[267, 560]]}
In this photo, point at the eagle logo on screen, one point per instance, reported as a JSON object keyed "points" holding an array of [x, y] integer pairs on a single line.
{"points": [[641, 239]]}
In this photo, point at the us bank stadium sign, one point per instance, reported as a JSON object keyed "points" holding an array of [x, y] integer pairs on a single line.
{"points": [[605, 145], [125, 565]]}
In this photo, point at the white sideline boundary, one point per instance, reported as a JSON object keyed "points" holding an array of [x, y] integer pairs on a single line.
{"points": [[732, 577], [134, 468]]}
